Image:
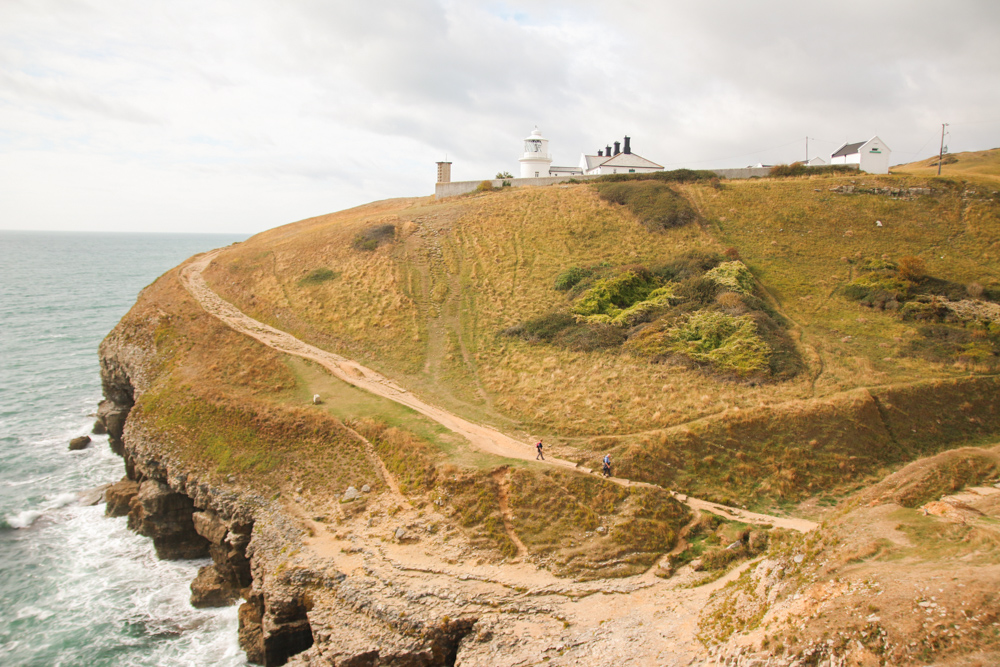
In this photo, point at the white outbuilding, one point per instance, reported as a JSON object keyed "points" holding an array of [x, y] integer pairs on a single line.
{"points": [[871, 156]]}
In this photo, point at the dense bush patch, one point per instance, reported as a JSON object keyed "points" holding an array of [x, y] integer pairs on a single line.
{"points": [[694, 308], [799, 169], [373, 237], [317, 276], [657, 205]]}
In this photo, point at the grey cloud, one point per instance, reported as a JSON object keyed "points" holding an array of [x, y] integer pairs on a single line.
{"points": [[61, 98]]}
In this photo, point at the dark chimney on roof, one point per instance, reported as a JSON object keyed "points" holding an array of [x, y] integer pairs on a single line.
{"points": [[600, 153], [617, 149], [607, 151], [628, 148]]}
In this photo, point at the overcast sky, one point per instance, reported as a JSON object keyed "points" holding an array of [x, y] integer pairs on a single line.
{"points": [[221, 116]]}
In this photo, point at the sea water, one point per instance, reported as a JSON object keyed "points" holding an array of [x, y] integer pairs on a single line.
{"points": [[76, 587]]}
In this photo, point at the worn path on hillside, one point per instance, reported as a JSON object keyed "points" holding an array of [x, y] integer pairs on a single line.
{"points": [[482, 437]]}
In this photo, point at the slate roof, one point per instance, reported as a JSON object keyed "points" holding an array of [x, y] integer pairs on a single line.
{"points": [[629, 160], [849, 149], [624, 160]]}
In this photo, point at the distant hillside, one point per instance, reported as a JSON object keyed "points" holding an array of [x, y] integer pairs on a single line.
{"points": [[971, 163]]}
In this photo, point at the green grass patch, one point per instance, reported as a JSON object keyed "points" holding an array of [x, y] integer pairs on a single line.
{"points": [[319, 276], [657, 205], [726, 343]]}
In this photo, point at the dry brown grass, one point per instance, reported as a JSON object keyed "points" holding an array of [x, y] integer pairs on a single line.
{"points": [[206, 404], [428, 310], [968, 164]]}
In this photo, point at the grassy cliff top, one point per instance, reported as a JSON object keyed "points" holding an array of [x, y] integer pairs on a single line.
{"points": [[592, 314]]}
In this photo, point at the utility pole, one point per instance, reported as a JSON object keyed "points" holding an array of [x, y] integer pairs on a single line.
{"points": [[807, 151], [941, 152]]}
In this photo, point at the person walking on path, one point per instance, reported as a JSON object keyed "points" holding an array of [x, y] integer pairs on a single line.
{"points": [[607, 465], [539, 448]]}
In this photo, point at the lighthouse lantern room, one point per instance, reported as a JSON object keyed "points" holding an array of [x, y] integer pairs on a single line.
{"points": [[536, 160]]}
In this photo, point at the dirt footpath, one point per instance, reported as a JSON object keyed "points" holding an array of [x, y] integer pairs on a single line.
{"points": [[484, 438]]}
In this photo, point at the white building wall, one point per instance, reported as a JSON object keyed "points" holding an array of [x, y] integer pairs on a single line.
{"points": [[874, 156], [535, 168], [847, 159], [622, 170]]}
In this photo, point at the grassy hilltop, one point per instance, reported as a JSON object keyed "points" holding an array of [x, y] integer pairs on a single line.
{"points": [[751, 341], [825, 346]]}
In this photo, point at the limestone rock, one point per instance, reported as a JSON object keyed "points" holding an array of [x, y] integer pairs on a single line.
{"points": [[366, 489], [211, 589], [118, 496], [113, 415], [79, 443], [251, 634], [158, 512], [93, 496], [350, 494], [99, 428], [210, 526]]}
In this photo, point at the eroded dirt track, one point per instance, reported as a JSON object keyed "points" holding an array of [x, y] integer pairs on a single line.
{"points": [[482, 437]]}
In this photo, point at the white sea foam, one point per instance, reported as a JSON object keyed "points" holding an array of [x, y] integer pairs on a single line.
{"points": [[23, 519]]}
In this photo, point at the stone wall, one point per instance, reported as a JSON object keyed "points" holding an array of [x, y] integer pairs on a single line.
{"points": [[464, 187]]}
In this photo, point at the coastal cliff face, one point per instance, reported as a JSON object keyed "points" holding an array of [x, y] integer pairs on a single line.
{"points": [[192, 511]]}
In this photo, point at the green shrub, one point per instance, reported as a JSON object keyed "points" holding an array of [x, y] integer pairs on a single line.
{"points": [[570, 277], [733, 276], [673, 176], [690, 264], [317, 276], [924, 311], [725, 342], [610, 296], [646, 310], [542, 328], [878, 264], [878, 289], [655, 204], [799, 169], [373, 237], [485, 186]]}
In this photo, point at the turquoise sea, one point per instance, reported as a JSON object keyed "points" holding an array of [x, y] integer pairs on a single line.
{"points": [[77, 588]]}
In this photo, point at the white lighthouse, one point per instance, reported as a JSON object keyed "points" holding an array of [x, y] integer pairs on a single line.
{"points": [[536, 160]]}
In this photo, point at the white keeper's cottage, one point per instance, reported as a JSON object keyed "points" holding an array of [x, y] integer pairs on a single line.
{"points": [[871, 156]]}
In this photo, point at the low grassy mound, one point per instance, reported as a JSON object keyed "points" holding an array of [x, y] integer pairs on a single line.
{"points": [[656, 205], [695, 309], [957, 323], [372, 237]]}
